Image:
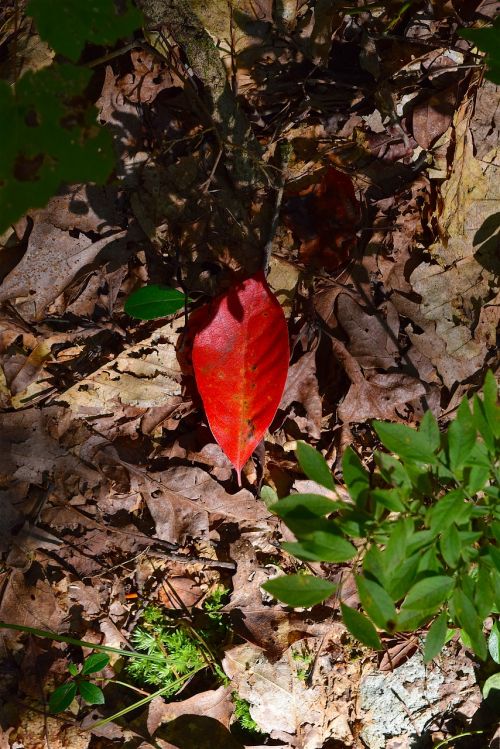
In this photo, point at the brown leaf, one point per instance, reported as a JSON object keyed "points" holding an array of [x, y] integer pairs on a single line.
{"points": [[373, 338], [432, 117], [385, 396], [302, 387], [215, 704]]}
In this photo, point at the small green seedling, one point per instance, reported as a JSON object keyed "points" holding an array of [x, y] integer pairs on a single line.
{"points": [[62, 697]]}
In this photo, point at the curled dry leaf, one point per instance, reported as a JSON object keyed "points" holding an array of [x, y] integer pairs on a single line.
{"points": [[240, 361]]}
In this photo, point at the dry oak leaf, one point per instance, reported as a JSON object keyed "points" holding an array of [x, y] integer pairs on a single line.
{"points": [[373, 338], [384, 396], [143, 376], [48, 266], [215, 703], [281, 702]]}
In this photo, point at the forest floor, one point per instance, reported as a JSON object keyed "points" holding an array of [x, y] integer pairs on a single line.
{"points": [[117, 504]]}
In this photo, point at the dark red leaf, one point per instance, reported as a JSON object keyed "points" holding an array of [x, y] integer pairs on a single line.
{"points": [[324, 218], [240, 359]]}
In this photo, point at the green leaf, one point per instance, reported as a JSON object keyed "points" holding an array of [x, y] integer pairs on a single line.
{"points": [[91, 693], [374, 563], [487, 40], [314, 504], [392, 470], [268, 496], [467, 617], [494, 642], [314, 465], [300, 590], [429, 593], [73, 669], [410, 619], [492, 682], [482, 424], [322, 547], [450, 546], [484, 593], [356, 477], [388, 498], [399, 578], [361, 627], [68, 24], [49, 136], [461, 436], [410, 445], [150, 302], [436, 637], [476, 478], [377, 603], [94, 663], [62, 697], [451, 508], [430, 430], [490, 397]]}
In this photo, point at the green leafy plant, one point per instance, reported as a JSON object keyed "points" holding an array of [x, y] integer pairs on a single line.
{"points": [[422, 529], [177, 648], [242, 716], [50, 133], [62, 697], [169, 653]]}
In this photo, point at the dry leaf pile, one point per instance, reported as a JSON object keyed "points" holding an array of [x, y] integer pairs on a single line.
{"points": [[111, 482]]}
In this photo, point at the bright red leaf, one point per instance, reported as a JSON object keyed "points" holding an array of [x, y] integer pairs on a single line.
{"points": [[240, 359]]}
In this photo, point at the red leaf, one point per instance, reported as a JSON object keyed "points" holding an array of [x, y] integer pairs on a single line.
{"points": [[240, 360], [324, 218]]}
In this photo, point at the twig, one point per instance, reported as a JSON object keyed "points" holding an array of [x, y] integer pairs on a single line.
{"points": [[284, 153]]}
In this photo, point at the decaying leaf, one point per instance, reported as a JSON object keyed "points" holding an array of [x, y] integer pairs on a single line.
{"points": [[144, 376], [281, 702]]}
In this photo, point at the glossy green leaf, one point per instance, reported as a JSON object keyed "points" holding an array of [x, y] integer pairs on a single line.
{"points": [[73, 669], [377, 603], [361, 627], [356, 477], [388, 498], [451, 508], [461, 436], [300, 590], [451, 546], [150, 302], [482, 424], [392, 470], [410, 445], [467, 616], [68, 24], [322, 547], [429, 593], [484, 593], [430, 430], [314, 465], [490, 399], [492, 682], [94, 663], [494, 642], [399, 578], [314, 504], [91, 693], [436, 637], [62, 697]]}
